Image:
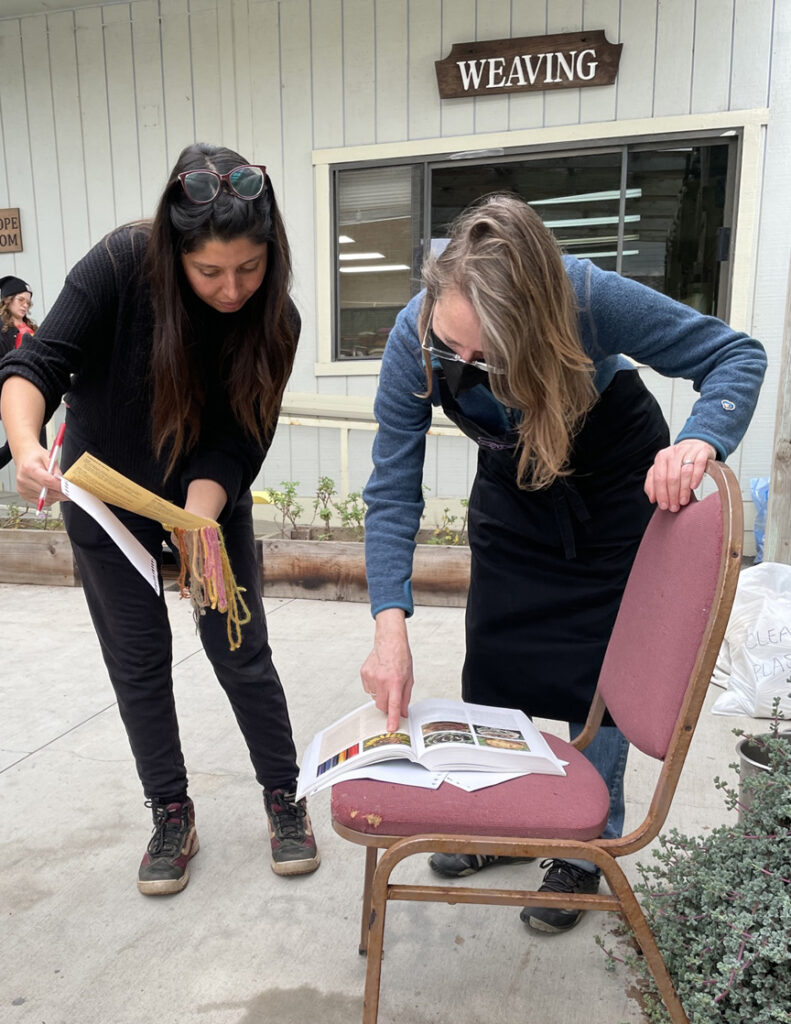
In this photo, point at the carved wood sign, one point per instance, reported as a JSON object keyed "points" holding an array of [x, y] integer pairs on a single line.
{"points": [[10, 231], [571, 60]]}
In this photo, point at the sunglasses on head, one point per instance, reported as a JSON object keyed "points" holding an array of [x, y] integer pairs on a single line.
{"points": [[246, 181]]}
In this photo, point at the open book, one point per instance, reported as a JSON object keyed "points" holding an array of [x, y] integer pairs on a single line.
{"points": [[442, 735]]}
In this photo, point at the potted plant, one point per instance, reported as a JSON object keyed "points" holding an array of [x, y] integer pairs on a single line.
{"points": [[33, 549], [301, 563], [719, 904]]}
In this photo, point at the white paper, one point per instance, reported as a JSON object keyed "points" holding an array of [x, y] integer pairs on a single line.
{"points": [[472, 781], [141, 559], [404, 773]]}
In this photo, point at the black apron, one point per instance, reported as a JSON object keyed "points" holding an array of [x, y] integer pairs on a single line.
{"points": [[549, 567]]}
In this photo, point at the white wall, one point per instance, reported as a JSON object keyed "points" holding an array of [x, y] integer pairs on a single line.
{"points": [[96, 103]]}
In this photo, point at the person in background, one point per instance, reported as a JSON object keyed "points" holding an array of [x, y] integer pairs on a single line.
{"points": [[16, 298], [174, 339], [523, 348]]}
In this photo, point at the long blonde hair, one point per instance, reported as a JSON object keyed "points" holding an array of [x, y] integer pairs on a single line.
{"points": [[504, 261]]}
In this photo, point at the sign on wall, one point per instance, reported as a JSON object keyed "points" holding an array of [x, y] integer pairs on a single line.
{"points": [[10, 231], [571, 60]]}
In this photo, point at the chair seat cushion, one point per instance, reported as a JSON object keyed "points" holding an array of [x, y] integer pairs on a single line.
{"points": [[535, 806]]}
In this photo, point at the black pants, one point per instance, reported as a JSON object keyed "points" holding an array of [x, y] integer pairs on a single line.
{"points": [[131, 622]]}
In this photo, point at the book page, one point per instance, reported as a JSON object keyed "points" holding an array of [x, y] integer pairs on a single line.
{"points": [[356, 734], [355, 740], [112, 487], [472, 730]]}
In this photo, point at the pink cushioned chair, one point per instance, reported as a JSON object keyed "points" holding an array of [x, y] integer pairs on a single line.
{"points": [[653, 683]]}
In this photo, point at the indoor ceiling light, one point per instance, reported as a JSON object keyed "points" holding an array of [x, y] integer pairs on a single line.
{"points": [[344, 239], [361, 256], [613, 252], [600, 239], [373, 270], [588, 197], [581, 222]]}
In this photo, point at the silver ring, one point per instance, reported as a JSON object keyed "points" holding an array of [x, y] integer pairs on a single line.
{"points": [[687, 462]]}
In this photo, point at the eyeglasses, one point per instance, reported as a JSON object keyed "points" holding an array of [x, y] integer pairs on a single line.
{"points": [[446, 354], [246, 181]]}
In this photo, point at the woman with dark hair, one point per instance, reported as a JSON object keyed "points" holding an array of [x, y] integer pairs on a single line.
{"points": [[524, 350], [174, 340]]}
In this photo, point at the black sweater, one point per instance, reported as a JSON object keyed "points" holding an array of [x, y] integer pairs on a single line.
{"points": [[95, 347]]}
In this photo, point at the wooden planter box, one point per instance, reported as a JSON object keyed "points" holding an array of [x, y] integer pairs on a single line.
{"points": [[37, 556], [332, 570]]}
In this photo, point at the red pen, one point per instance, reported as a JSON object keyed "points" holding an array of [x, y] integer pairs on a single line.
{"points": [[53, 458]]}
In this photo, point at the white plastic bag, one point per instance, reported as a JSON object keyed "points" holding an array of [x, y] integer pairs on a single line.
{"points": [[754, 663]]}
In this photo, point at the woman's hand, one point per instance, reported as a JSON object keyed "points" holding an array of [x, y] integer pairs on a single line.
{"points": [[32, 474], [676, 472], [22, 410], [387, 671]]}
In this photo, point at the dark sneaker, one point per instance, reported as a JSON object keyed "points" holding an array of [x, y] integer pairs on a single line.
{"points": [[458, 865], [164, 868], [561, 877], [290, 834]]}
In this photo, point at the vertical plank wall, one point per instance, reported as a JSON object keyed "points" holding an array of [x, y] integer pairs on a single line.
{"points": [[97, 102]]}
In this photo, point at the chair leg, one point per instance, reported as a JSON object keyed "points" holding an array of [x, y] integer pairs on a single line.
{"points": [[371, 854], [373, 969], [635, 917]]}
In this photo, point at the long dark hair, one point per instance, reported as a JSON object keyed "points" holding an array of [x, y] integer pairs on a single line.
{"points": [[257, 357]]}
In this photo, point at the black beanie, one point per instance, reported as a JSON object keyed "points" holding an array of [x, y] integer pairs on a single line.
{"points": [[13, 286]]}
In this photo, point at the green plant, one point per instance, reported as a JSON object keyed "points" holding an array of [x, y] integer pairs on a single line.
{"points": [[719, 905], [352, 513], [286, 503], [18, 517], [446, 531], [323, 504]]}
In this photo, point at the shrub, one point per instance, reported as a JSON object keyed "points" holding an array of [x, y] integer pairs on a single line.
{"points": [[719, 906]]}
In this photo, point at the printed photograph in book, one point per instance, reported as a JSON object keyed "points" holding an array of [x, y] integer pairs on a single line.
{"points": [[446, 732]]}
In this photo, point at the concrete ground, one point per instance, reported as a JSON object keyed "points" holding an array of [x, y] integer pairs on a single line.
{"points": [[241, 945]]}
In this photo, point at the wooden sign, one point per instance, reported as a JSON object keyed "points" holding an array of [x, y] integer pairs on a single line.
{"points": [[10, 231], [571, 60]]}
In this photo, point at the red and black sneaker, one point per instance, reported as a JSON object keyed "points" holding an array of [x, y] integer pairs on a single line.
{"points": [[164, 868], [290, 834]]}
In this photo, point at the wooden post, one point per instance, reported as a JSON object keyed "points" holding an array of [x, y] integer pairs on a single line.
{"points": [[777, 543]]}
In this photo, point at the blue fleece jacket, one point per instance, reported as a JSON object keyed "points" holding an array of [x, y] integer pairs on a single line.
{"points": [[617, 317]]}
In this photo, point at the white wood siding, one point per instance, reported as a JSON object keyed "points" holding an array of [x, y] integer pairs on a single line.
{"points": [[96, 103]]}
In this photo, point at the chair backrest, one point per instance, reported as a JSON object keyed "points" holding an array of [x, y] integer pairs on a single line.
{"points": [[673, 616]]}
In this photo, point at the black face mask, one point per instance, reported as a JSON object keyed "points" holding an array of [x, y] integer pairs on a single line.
{"points": [[460, 376]]}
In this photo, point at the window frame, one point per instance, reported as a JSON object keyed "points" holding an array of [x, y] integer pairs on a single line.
{"points": [[748, 127]]}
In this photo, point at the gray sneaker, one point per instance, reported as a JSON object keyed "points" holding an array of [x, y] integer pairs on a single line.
{"points": [[290, 834], [164, 868], [458, 865]]}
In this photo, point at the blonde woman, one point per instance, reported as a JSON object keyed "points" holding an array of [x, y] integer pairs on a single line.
{"points": [[523, 348], [16, 298]]}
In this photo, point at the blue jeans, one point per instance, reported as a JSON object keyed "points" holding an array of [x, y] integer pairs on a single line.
{"points": [[607, 753]]}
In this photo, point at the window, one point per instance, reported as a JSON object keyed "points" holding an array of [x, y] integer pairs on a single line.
{"points": [[379, 252], [655, 212]]}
